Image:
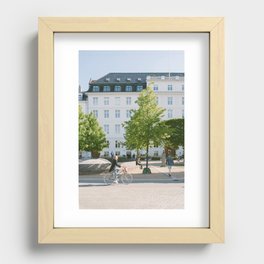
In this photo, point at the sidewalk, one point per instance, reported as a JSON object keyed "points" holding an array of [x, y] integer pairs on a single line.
{"points": [[158, 175]]}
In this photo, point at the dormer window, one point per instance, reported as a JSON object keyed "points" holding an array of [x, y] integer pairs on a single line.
{"points": [[129, 79], [128, 88], [106, 88], [139, 79], [117, 88], [118, 79], [95, 88], [139, 88], [107, 79]]}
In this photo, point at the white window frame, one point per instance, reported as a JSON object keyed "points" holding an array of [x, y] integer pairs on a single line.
{"points": [[106, 129], [117, 113], [117, 128], [128, 113], [170, 100], [106, 100], [170, 113], [106, 113], [95, 100], [117, 100], [128, 100], [95, 113]]}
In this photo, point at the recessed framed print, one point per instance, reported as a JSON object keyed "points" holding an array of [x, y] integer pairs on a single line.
{"points": [[131, 130]]}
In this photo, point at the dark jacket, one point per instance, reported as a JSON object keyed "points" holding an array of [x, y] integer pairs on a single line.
{"points": [[113, 165], [169, 161]]}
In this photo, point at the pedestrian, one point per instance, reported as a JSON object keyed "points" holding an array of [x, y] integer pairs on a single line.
{"points": [[113, 168], [138, 162], [170, 163], [112, 154]]}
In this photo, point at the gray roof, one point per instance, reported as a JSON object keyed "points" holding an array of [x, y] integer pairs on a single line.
{"points": [[122, 77]]}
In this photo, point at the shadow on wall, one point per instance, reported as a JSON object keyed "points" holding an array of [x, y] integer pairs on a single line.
{"points": [[31, 187]]}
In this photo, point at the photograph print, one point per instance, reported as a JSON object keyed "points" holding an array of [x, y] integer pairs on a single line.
{"points": [[131, 129]]}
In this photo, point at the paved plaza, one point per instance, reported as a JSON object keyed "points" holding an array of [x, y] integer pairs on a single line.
{"points": [[152, 191]]}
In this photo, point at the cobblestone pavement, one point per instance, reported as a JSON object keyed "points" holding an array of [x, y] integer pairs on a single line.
{"points": [[153, 191], [133, 196]]}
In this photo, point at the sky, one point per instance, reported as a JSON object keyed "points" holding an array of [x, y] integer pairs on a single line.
{"points": [[95, 64]]}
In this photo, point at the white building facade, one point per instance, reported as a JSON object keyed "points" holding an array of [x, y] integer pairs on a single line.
{"points": [[111, 98]]}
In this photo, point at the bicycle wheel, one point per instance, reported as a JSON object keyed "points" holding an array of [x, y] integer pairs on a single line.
{"points": [[126, 178], [108, 178]]}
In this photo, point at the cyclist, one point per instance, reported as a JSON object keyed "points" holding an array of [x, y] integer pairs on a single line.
{"points": [[113, 167]]}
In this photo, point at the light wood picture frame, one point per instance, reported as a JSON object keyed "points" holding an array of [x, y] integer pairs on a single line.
{"points": [[47, 233]]}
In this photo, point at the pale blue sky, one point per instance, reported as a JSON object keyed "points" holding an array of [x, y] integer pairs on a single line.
{"points": [[95, 64]]}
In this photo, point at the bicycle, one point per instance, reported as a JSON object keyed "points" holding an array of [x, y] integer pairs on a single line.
{"points": [[117, 174]]}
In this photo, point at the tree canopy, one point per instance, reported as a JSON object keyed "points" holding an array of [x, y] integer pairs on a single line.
{"points": [[176, 130], [91, 135], [145, 128]]}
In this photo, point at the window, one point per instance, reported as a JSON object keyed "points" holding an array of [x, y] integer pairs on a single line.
{"points": [[182, 87], [156, 153], [182, 113], [169, 100], [182, 100], [106, 153], [157, 100], [117, 153], [128, 100], [95, 100], [106, 88], [117, 144], [95, 113], [117, 129], [117, 100], [106, 129], [95, 88], [139, 88], [106, 100], [177, 77], [108, 143], [128, 113], [128, 88], [169, 113], [106, 113], [117, 88], [117, 113], [155, 87], [169, 87]]}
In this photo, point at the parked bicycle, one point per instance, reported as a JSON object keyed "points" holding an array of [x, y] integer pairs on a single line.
{"points": [[118, 174]]}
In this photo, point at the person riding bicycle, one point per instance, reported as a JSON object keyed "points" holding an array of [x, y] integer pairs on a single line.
{"points": [[114, 164]]}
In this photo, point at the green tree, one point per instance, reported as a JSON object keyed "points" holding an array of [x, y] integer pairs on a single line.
{"points": [[145, 127], [91, 135], [176, 131]]}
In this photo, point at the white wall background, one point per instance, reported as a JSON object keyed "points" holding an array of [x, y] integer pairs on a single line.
{"points": [[244, 133]]}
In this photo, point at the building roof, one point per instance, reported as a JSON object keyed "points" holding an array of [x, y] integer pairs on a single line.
{"points": [[135, 81], [131, 77]]}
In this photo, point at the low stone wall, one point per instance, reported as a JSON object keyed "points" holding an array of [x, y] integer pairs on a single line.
{"points": [[93, 166]]}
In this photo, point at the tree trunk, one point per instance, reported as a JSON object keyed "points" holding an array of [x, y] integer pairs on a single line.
{"points": [[147, 156]]}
